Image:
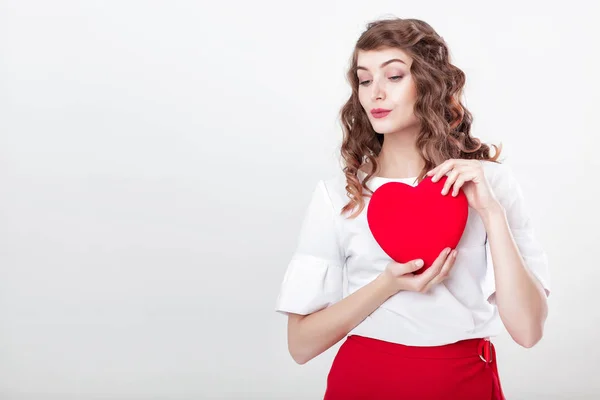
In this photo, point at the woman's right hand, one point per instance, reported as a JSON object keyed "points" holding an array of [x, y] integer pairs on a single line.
{"points": [[400, 276]]}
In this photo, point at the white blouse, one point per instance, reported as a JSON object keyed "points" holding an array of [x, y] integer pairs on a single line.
{"points": [[336, 256]]}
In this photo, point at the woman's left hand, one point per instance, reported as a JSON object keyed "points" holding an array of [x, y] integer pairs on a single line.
{"points": [[468, 175]]}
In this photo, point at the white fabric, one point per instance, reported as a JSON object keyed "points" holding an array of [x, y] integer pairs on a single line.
{"points": [[336, 256]]}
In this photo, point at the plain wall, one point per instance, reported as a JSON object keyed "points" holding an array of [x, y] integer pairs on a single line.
{"points": [[156, 158]]}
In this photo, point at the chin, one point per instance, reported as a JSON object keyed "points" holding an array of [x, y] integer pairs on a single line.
{"points": [[383, 128], [389, 127]]}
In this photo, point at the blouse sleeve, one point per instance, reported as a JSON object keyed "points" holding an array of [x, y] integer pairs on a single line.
{"points": [[509, 194], [313, 279]]}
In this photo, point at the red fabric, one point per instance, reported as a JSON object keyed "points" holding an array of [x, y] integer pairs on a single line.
{"points": [[417, 222], [370, 369]]}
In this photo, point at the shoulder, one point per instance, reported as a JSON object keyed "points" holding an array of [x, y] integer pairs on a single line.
{"points": [[334, 188], [497, 173], [502, 179]]}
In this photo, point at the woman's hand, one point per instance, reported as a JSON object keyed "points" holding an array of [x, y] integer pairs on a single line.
{"points": [[400, 276], [468, 175]]}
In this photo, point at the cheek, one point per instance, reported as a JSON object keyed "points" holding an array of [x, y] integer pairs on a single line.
{"points": [[363, 97], [412, 93], [403, 95], [405, 99]]}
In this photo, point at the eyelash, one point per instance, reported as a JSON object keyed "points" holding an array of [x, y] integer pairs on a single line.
{"points": [[391, 77]]}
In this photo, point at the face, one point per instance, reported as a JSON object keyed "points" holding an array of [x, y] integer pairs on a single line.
{"points": [[385, 82]]}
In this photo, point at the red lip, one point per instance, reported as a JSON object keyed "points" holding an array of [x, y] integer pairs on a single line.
{"points": [[380, 112]]}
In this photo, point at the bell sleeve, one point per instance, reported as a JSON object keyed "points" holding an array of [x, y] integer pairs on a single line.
{"points": [[313, 279], [509, 194]]}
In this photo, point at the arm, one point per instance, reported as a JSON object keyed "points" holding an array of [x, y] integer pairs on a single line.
{"points": [[518, 281], [520, 298], [311, 335]]}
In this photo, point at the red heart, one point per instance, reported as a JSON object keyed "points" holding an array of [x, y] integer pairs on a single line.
{"points": [[416, 222]]}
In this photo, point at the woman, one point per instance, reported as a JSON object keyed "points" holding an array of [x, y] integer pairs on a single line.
{"points": [[426, 335]]}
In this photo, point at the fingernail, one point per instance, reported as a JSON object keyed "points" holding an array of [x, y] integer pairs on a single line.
{"points": [[419, 263], [454, 253]]}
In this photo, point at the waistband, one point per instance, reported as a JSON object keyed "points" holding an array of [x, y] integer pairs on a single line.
{"points": [[481, 347]]}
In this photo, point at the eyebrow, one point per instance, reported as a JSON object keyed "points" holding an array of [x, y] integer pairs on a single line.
{"points": [[384, 64]]}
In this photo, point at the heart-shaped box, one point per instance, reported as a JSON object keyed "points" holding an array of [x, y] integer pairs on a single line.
{"points": [[416, 222]]}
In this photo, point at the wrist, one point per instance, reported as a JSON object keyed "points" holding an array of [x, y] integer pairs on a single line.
{"points": [[491, 211], [387, 283]]}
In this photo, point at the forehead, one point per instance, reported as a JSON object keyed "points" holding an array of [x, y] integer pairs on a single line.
{"points": [[372, 59]]}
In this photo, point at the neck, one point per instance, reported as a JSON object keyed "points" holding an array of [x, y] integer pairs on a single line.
{"points": [[399, 156]]}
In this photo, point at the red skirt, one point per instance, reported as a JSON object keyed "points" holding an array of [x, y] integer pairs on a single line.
{"points": [[371, 369]]}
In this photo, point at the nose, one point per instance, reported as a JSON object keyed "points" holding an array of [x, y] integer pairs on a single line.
{"points": [[378, 92]]}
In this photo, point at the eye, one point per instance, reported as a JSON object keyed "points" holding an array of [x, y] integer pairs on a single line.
{"points": [[394, 78]]}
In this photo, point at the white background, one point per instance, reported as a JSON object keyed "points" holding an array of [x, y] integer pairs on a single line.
{"points": [[156, 158]]}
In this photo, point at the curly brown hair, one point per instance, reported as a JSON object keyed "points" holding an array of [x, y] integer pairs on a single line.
{"points": [[445, 122]]}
